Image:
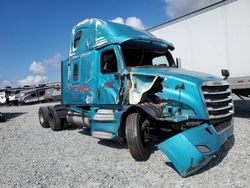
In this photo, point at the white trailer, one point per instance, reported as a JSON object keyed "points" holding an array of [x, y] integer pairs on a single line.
{"points": [[214, 38]]}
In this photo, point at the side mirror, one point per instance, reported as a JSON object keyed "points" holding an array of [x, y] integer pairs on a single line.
{"points": [[225, 73], [178, 62]]}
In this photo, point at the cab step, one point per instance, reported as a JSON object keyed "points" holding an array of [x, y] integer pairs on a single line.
{"points": [[104, 115], [102, 135]]}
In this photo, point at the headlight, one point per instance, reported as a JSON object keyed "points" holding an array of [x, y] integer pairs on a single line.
{"points": [[203, 148]]}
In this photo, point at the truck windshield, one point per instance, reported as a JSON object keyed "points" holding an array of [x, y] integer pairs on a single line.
{"points": [[137, 57]]}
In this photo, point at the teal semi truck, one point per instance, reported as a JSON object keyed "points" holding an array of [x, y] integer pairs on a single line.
{"points": [[123, 84]]}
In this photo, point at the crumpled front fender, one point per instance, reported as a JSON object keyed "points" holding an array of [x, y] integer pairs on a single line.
{"points": [[194, 148]]}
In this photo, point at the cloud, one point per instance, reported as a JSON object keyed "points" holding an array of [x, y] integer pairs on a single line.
{"points": [[135, 22], [118, 20], [40, 66], [55, 60], [6, 83], [176, 8], [37, 68], [32, 80], [131, 21], [39, 74]]}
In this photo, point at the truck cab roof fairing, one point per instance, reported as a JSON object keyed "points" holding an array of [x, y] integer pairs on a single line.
{"points": [[98, 33]]}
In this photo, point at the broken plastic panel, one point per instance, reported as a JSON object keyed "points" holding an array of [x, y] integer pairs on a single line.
{"points": [[194, 148]]}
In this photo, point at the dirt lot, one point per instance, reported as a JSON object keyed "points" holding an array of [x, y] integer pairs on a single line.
{"points": [[33, 156]]}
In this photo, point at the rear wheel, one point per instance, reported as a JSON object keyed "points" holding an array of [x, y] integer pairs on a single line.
{"points": [[139, 148], [54, 122], [65, 124], [43, 114]]}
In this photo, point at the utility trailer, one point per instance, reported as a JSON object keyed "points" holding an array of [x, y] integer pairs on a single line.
{"points": [[41, 93], [31, 96], [214, 38], [12, 96], [52, 94], [123, 84]]}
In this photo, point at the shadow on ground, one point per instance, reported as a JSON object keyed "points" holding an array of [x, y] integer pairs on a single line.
{"points": [[85, 132], [72, 127], [218, 158], [242, 108], [113, 144], [108, 143], [8, 116]]}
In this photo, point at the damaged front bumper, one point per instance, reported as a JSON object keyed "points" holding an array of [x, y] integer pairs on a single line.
{"points": [[194, 148]]}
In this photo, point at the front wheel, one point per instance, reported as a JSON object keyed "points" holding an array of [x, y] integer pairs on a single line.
{"points": [[136, 126]]}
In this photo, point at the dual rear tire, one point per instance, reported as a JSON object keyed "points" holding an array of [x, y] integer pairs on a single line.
{"points": [[43, 114], [48, 118], [54, 122]]}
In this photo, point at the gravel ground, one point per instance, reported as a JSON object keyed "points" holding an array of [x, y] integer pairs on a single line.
{"points": [[33, 156]]}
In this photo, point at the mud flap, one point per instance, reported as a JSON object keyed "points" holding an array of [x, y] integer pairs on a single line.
{"points": [[194, 148]]}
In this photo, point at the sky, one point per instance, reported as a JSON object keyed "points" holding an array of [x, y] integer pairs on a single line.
{"points": [[35, 34]]}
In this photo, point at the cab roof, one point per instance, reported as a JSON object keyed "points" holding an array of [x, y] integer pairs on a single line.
{"points": [[97, 33]]}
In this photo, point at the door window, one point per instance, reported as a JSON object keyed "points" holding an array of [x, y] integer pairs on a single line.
{"points": [[75, 72], [41, 93], [108, 62]]}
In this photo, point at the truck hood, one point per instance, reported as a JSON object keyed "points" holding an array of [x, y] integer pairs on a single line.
{"points": [[174, 73], [180, 87]]}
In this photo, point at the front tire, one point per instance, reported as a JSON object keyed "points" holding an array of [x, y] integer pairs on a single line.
{"points": [[135, 128]]}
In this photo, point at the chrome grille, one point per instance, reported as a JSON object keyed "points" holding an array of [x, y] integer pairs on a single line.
{"points": [[219, 102]]}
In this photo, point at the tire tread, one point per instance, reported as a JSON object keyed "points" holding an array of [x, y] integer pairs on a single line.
{"points": [[136, 148]]}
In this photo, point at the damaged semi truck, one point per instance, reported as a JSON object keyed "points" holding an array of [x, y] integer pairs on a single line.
{"points": [[123, 83]]}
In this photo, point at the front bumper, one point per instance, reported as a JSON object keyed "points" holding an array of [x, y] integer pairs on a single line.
{"points": [[194, 148]]}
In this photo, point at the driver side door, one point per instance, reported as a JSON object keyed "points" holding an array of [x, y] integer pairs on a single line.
{"points": [[109, 81]]}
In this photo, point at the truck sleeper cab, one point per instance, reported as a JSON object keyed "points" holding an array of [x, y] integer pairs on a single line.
{"points": [[122, 83]]}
